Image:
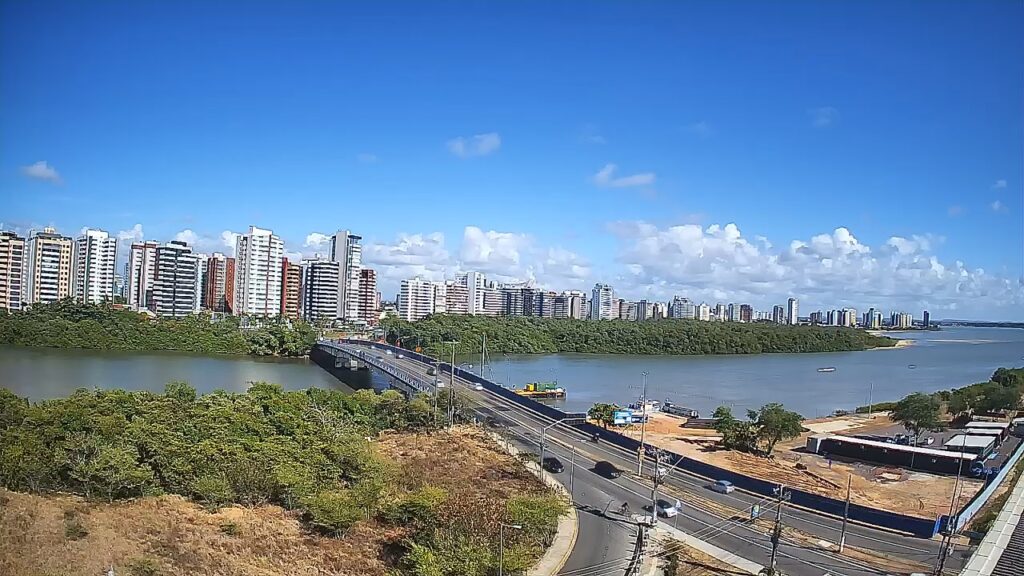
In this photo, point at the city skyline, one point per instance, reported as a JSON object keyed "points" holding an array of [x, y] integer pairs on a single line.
{"points": [[714, 172]]}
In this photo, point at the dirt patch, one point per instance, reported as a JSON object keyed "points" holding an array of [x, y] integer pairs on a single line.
{"points": [[917, 494], [61, 534], [678, 559]]}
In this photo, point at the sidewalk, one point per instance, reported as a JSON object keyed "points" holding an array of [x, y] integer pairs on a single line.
{"points": [[742, 564]]}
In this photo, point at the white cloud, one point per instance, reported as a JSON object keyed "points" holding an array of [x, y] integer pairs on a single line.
{"points": [[477, 145], [998, 206], [606, 178], [41, 171], [823, 116], [366, 158], [229, 239], [999, 184], [718, 264], [316, 240], [133, 234], [187, 236]]}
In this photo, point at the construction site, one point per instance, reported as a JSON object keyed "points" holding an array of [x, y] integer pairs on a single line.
{"points": [[894, 489]]}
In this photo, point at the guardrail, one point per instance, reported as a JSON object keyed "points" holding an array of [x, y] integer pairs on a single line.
{"points": [[922, 527], [981, 498]]}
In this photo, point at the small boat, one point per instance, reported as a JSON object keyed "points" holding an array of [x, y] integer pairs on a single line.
{"points": [[827, 369], [911, 366]]}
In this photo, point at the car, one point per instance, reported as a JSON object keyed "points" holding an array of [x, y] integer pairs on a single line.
{"points": [[400, 356], [441, 384], [607, 469], [388, 352], [665, 508], [478, 387], [723, 487], [552, 464], [380, 357], [431, 371]]}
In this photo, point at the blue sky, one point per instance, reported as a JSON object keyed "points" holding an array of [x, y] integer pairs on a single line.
{"points": [[564, 142]]}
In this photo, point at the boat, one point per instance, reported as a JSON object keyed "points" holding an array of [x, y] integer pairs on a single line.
{"points": [[541, 390], [911, 366], [827, 369]]}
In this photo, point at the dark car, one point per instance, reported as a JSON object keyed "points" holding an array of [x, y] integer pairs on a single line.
{"points": [[552, 464], [607, 469]]}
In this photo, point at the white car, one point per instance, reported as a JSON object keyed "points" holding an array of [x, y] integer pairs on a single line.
{"points": [[478, 387], [388, 352], [667, 509], [723, 487], [400, 356], [441, 384]]}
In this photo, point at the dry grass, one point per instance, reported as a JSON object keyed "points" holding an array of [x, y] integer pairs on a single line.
{"points": [[67, 535]]}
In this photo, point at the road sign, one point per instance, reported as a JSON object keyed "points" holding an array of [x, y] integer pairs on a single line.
{"points": [[755, 511]]}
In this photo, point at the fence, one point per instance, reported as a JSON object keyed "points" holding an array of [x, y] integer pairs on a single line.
{"points": [[981, 498], [921, 527]]}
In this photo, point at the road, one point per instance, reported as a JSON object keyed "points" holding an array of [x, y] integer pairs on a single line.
{"points": [[708, 515]]}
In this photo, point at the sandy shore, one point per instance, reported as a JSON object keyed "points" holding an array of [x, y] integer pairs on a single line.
{"points": [[901, 343]]}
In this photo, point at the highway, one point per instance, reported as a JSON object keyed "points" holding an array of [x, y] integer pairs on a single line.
{"points": [[605, 544]]}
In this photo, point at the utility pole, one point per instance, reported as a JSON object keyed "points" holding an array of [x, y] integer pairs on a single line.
{"points": [[654, 490], [643, 425], [777, 531], [947, 538], [572, 470], [451, 386], [871, 391], [846, 514]]}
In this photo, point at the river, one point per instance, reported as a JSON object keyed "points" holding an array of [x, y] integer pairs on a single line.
{"points": [[942, 359]]}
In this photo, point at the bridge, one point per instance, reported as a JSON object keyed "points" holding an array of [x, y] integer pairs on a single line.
{"points": [[605, 543]]}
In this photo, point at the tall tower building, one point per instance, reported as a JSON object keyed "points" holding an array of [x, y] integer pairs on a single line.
{"points": [[476, 284], [291, 284], [219, 283], [258, 256], [602, 303], [926, 319], [792, 311], [47, 276], [141, 271], [416, 299], [93, 263], [368, 296], [12, 270], [778, 315], [347, 251], [704, 312], [320, 290], [175, 277]]}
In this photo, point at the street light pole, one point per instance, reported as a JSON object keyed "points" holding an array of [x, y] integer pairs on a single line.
{"points": [[643, 424], [947, 539], [572, 470], [451, 386], [777, 532], [846, 514], [501, 544]]}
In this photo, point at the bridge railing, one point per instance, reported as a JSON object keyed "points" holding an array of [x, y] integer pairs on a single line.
{"points": [[405, 376], [922, 527]]}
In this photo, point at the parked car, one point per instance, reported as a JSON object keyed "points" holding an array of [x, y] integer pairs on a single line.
{"points": [[607, 469], [552, 464], [723, 486]]}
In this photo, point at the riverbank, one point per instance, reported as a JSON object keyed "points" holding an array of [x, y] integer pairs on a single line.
{"points": [[901, 343]]}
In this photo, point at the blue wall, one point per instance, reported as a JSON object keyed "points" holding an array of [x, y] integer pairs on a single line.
{"points": [[900, 522]]}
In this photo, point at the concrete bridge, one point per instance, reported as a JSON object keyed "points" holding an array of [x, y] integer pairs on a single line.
{"points": [[350, 357]]}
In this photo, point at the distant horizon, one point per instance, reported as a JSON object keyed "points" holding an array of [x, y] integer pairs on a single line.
{"points": [[840, 153]]}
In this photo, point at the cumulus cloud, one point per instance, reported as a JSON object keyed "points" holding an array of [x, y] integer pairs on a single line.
{"points": [[823, 116], [718, 263], [997, 206], [999, 184], [41, 171], [187, 236], [476, 145], [229, 239], [606, 178], [133, 234], [316, 240]]}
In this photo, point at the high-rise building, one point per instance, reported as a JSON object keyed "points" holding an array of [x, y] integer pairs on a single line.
{"points": [[746, 313], [602, 303], [93, 262], [721, 312], [141, 271], [48, 263], [493, 301], [704, 312], [734, 312], [175, 275], [643, 310], [202, 271], [291, 287], [219, 283], [682, 308], [627, 310], [578, 308], [792, 311], [926, 319], [901, 320], [658, 311], [12, 270], [816, 317], [369, 298], [347, 251], [476, 284], [456, 297], [440, 298], [543, 304], [258, 257], [778, 314], [415, 299], [320, 290]]}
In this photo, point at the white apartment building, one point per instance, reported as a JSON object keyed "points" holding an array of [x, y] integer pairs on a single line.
{"points": [[202, 271], [476, 284], [93, 264], [347, 251], [792, 311], [141, 270], [416, 299], [721, 312], [174, 290], [12, 270], [258, 256], [319, 292], [493, 301], [704, 312], [602, 303], [47, 275], [682, 308], [457, 297]]}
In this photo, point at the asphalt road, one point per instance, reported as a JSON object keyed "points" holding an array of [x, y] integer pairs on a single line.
{"points": [[604, 544]]}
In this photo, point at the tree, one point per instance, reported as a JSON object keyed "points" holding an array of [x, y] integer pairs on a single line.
{"points": [[774, 423], [603, 413], [917, 412], [736, 434], [996, 397], [332, 512]]}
